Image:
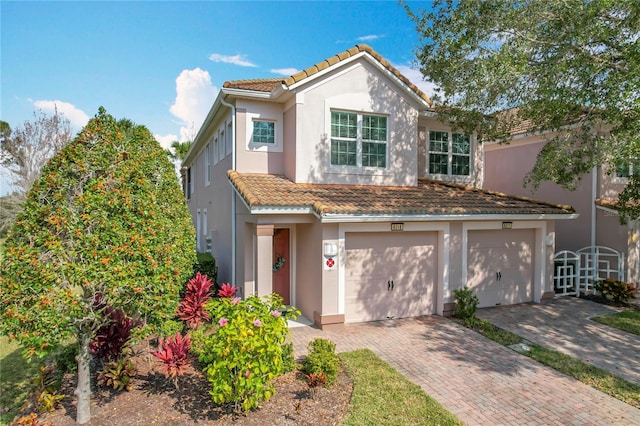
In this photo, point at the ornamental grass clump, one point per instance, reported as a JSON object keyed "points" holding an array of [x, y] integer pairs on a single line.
{"points": [[244, 353]]}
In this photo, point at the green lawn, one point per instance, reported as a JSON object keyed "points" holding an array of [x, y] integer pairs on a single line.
{"points": [[382, 396], [628, 321], [16, 379]]}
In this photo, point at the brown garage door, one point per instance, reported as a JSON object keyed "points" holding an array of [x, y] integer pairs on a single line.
{"points": [[390, 275], [500, 266]]}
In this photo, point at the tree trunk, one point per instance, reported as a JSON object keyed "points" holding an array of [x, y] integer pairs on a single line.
{"points": [[83, 391]]}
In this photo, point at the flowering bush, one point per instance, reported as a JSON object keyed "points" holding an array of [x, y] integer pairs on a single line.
{"points": [[616, 291], [245, 352], [191, 309]]}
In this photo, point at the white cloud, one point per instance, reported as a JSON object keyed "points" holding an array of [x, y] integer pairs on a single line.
{"points": [[416, 77], [285, 71], [194, 96], [165, 140], [76, 117], [369, 37], [240, 60]]}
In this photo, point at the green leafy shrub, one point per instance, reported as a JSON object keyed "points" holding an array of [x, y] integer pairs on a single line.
{"points": [[65, 359], [288, 358], [244, 353], [466, 303], [106, 216], [170, 328], [614, 290], [322, 358], [206, 265], [117, 374]]}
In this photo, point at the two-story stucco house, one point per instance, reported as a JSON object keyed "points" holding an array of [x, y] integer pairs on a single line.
{"points": [[594, 199], [339, 189]]}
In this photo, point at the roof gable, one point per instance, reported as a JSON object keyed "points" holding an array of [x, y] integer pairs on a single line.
{"points": [[271, 84]]}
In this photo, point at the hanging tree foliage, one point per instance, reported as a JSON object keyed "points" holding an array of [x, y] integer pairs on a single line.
{"points": [[571, 67], [106, 219]]}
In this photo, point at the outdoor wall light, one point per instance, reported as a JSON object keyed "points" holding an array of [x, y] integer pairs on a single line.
{"points": [[330, 249]]}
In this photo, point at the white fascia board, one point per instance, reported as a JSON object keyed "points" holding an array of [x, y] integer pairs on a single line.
{"points": [[344, 218], [373, 62], [608, 210], [198, 141], [254, 94], [279, 210]]}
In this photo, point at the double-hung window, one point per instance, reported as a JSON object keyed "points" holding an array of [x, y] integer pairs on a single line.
{"points": [[264, 132], [358, 140], [449, 153], [207, 165]]}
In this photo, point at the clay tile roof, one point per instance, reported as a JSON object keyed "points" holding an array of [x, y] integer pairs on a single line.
{"points": [[270, 84], [427, 198], [259, 85]]}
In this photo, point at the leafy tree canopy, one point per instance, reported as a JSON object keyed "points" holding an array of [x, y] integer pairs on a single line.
{"points": [[548, 64], [105, 222]]}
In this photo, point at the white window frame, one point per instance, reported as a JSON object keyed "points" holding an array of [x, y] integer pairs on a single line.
{"points": [[188, 183], [450, 154], [263, 120], [216, 151], [360, 141], [192, 180], [222, 144], [229, 139], [207, 165]]}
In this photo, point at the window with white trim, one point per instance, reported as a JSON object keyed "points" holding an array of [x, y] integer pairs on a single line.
{"points": [[449, 153], [624, 170], [188, 189], [207, 165], [229, 141], [216, 151], [264, 132], [358, 140]]}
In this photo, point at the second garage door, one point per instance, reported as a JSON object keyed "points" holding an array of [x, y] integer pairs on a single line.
{"points": [[500, 266], [390, 275]]}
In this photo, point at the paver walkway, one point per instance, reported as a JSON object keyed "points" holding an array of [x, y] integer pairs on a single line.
{"points": [[564, 325], [480, 381]]}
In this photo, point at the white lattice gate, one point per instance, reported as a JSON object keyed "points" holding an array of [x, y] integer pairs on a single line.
{"points": [[576, 272]]}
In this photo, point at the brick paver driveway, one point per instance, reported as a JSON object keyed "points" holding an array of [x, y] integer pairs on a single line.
{"points": [[480, 381], [564, 325]]}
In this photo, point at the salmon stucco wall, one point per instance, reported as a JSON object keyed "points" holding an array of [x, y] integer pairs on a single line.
{"points": [[360, 88], [308, 268], [505, 169]]}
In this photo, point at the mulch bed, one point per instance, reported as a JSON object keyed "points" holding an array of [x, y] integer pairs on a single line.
{"points": [[155, 401]]}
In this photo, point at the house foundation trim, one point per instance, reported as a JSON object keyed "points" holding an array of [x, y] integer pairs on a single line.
{"points": [[327, 321]]}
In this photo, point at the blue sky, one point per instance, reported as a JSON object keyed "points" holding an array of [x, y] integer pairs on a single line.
{"points": [[161, 64]]}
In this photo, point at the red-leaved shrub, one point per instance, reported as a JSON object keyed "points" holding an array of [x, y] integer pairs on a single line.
{"points": [[191, 309], [227, 290], [174, 354], [113, 337]]}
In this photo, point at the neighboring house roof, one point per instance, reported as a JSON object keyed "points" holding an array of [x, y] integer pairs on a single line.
{"points": [[270, 84], [263, 192]]}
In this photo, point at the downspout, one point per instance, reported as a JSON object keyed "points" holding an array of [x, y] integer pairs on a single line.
{"points": [[233, 193], [594, 190]]}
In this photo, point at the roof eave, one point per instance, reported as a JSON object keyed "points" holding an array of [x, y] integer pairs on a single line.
{"points": [[352, 218]]}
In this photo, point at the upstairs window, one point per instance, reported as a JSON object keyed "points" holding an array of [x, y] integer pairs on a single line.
{"points": [[264, 132], [358, 140], [449, 153], [207, 165], [188, 187], [625, 170]]}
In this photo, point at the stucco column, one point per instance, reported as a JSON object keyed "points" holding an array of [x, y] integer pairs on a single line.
{"points": [[264, 259]]}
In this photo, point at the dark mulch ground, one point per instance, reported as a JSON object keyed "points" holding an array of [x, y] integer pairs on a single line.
{"points": [[155, 401]]}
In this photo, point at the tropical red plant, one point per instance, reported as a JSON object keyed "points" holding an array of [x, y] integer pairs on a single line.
{"points": [[115, 335], [227, 290], [191, 309], [174, 354]]}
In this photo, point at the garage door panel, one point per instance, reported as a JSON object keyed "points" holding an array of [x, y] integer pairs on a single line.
{"points": [[373, 260], [500, 266]]}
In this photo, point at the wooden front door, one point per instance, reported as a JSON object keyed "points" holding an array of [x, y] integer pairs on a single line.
{"points": [[281, 264]]}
